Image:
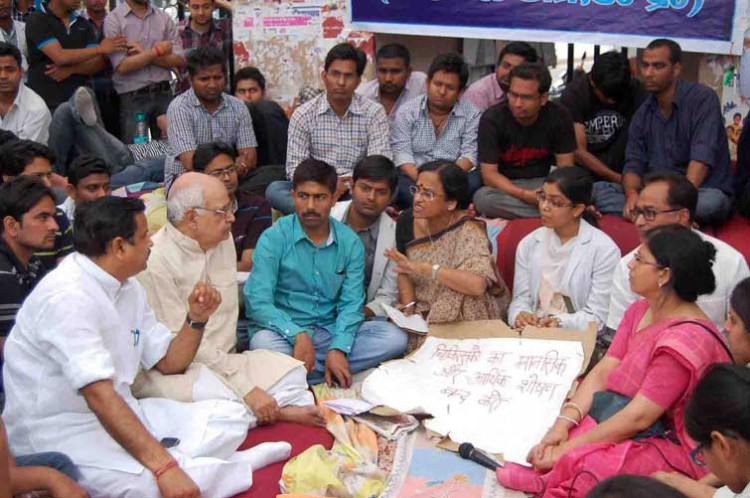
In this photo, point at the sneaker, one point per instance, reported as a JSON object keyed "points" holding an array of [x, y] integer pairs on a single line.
{"points": [[83, 100]]}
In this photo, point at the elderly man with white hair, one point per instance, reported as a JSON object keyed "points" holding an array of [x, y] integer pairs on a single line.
{"points": [[196, 246]]}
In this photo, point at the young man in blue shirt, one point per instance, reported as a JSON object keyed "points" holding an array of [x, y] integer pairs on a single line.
{"points": [[305, 296]]}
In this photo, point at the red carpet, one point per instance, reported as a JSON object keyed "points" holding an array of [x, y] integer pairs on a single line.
{"points": [[266, 480]]}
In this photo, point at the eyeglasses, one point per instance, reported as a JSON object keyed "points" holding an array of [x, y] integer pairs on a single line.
{"points": [[553, 201], [427, 195], [225, 213], [228, 171], [640, 260], [649, 214], [697, 457]]}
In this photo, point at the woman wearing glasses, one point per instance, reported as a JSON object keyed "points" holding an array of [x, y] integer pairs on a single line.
{"points": [[444, 261], [626, 417], [564, 269]]}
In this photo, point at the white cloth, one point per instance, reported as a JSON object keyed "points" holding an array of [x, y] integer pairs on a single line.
{"points": [[383, 288], [725, 492], [586, 281], [28, 116], [554, 261], [729, 268], [68, 207], [79, 326]]}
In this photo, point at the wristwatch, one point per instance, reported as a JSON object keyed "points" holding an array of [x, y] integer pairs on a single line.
{"points": [[435, 269], [193, 324]]}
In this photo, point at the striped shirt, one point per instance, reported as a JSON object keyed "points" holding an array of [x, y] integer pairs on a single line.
{"points": [[191, 125], [316, 131], [413, 134], [16, 282], [63, 241]]}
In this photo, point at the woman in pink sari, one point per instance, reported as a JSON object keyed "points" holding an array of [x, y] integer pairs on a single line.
{"points": [[627, 415]]}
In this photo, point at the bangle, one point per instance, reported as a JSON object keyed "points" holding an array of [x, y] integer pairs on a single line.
{"points": [[165, 467], [574, 406], [568, 419]]}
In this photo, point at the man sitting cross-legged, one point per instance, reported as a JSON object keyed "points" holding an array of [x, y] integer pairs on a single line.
{"points": [[305, 295], [78, 342], [196, 246]]}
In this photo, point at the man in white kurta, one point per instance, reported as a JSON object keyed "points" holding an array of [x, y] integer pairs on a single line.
{"points": [[196, 246], [81, 337]]}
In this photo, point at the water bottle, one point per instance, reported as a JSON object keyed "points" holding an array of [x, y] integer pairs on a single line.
{"points": [[141, 128]]}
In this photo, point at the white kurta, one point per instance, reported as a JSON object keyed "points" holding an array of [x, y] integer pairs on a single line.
{"points": [[175, 265], [80, 326]]}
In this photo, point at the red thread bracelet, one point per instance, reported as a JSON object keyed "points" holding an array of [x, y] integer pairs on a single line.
{"points": [[156, 49], [164, 468]]}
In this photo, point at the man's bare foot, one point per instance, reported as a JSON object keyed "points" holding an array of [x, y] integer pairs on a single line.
{"points": [[305, 415]]}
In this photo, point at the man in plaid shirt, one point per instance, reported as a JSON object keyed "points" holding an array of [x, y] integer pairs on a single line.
{"points": [[202, 30], [338, 126], [206, 114]]}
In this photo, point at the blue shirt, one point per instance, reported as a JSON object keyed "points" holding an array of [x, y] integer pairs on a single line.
{"points": [[295, 284], [413, 138], [694, 132]]}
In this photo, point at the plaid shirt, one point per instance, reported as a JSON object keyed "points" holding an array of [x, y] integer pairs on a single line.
{"points": [[219, 35], [191, 125], [316, 131], [413, 134]]}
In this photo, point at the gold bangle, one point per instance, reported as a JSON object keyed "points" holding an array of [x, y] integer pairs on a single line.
{"points": [[574, 406]]}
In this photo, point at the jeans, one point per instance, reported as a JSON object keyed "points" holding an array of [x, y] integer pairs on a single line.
{"points": [[493, 203], [404, 198], [70, 136], [376, 341], [714, 206], [51, 459], [150, 169], [151, 104]]}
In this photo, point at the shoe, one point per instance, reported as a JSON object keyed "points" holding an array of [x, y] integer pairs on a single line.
{"points": [[83, 100]]}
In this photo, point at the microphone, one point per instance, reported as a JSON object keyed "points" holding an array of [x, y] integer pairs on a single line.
{"points": [[469, 452]]}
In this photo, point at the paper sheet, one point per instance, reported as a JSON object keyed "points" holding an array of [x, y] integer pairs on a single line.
{"points": [[499, 394], [413, 322]]}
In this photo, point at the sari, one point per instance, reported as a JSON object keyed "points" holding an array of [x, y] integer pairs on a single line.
{"points": [[577, 471]]}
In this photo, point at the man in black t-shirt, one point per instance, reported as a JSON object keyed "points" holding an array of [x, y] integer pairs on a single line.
{"points": [[518, 144], [64, 51], [601, 104]]}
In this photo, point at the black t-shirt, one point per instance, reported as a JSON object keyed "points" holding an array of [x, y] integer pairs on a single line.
{"points": [[42, 28], [525, 151], [606, 125], [271, 127]]}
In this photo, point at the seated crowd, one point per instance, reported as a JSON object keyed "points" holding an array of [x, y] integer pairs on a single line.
{"points": [[110, 333]]}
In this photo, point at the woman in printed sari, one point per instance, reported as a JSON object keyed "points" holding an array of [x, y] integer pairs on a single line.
{"points": [[626, 417], [443, 256]]}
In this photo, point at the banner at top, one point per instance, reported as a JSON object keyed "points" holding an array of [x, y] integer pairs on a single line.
{"points": [[712, 26]]}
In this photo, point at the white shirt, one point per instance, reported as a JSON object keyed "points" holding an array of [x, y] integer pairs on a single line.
{"points": [[28, 116], [78, 326], [729, 268], [69, 208]]}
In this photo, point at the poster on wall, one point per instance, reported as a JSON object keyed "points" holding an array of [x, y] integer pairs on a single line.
{"points": [[712, 26], [288, 41]]}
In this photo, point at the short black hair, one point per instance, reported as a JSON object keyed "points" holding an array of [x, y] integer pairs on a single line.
{"points": [[632, 486], [394, 51], [681, 193], [205, 153], [611, 75], [688, 257], [377, 168], [450, 63], [10, 50], [83, 166], [202, 57], [19, 196], [454, 180], [720, 402], [519, 48], [313, 170], [7, 136], [17, 154], [740, 302], [533, 71], [99, 222], [346, 52], [675, 50], [249, 73], [577, 185], [737, 115]]}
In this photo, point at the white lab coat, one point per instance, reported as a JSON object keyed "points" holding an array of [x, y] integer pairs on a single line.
{"points": [[80, 326], [729, 268], [587, 278], [383, 286]]}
